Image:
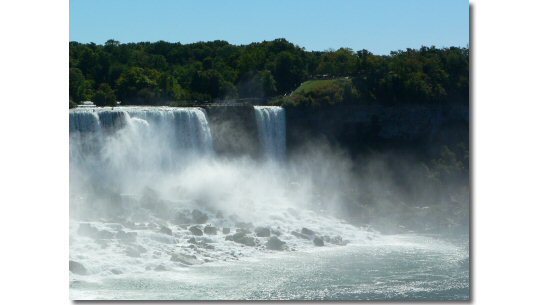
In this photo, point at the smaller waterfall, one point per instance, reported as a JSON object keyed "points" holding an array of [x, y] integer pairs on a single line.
{"points": [[271, 121]]}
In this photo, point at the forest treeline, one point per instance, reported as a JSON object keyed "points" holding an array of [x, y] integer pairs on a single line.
{"points": [[164, 73]]}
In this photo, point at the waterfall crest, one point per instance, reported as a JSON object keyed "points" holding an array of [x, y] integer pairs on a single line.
{"points": [[271, 121]]}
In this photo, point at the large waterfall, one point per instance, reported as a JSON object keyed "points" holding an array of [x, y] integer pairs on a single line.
{"points": [[155, 213], [271, 121]]}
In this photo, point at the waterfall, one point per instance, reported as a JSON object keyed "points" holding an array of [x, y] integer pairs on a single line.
{"points": [[271, 121], [109, 146]]}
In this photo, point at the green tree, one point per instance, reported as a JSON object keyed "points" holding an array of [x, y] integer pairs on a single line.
{"points": [[104, 96]]}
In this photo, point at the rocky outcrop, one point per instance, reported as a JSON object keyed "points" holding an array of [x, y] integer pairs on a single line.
{"points": [[318, 242], [262, 231], [184, 259], [196, 231], [210, 230], [77, 268], [274, 243], [242, 238]]}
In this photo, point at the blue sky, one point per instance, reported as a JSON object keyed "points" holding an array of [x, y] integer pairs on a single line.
{"points": [[379, 26]]}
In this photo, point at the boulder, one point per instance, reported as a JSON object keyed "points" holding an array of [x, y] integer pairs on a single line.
{"points": [[226, 230], [116, 271], [184, 259], [77, 268], [199, 217], [318, 242], [274, 243], [262, 231], [160, 268], [210, 230], [166, 230], [307, 231], [196, 231], [191, 240], [242, 238]]}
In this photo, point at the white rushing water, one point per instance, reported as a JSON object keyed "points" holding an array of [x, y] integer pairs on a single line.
{"points": [[155, 214], [271, 121]]}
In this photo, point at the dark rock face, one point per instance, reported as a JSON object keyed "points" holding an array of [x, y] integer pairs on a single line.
{"points": [[196, 231], [361, 127], [199, 217], [307, 231], [210, 230], [77, 268], [262, 231], [275, 244], [226, 122], [318, 242], [226, 230]]}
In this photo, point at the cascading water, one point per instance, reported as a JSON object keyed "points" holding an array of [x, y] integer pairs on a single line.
{"points": [[149, 198], [271, 121]]}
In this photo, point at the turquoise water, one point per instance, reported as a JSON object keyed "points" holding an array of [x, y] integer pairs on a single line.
{"points": [[398, 267]]}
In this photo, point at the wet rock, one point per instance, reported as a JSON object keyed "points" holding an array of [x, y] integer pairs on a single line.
{"points": [[191, 240], [242, 238], [166, 230], [116, 271], [307, 231], [196, 231], [210, 230], [262, 231], [300, 235], [184, 259], [126, 236], [337, 240], [274, 243], [226, 230], [160, 268], [199, 217], [77, 268], [318, 242]]}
